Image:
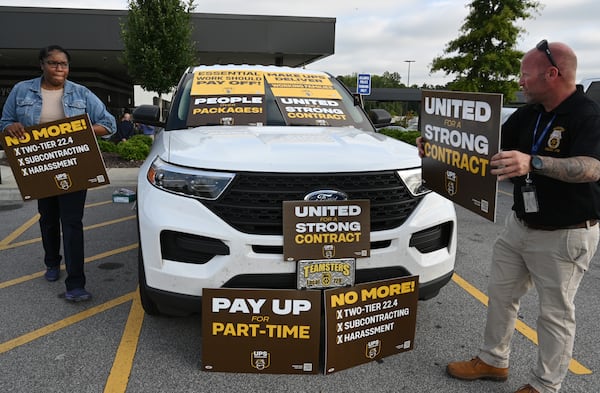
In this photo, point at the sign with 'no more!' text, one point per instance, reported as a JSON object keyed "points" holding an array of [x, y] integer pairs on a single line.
{"points": [[56, 158]]}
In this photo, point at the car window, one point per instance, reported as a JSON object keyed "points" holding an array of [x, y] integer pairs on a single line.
{"points": [[263, 98]]}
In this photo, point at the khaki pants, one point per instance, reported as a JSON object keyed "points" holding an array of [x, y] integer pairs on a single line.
{"points": [[554, 262]]}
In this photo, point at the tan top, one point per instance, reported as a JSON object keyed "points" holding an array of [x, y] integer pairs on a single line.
{"points": [[52, 108]]}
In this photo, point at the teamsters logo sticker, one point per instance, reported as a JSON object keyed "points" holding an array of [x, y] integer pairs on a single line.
{"points": [[555, 137], [63, 181], [260, 360]]}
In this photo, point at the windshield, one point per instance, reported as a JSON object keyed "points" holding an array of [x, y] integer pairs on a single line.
{"points": [[263, 98]]}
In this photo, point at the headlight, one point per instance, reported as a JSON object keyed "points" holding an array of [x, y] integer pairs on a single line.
{"points": [[413, 181], [188, 182]]}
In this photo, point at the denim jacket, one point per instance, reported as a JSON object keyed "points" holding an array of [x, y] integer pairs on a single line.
{"points": [[24, 105]]}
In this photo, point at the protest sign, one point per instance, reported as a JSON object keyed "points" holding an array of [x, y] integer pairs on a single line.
{"points": [[461, 133], [56, 158]]}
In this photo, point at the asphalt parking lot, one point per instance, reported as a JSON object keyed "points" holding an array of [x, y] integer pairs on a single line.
{"points": [[109, 345]]}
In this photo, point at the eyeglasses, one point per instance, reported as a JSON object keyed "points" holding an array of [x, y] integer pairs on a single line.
{"points": [[543, 46], [57, 64]]}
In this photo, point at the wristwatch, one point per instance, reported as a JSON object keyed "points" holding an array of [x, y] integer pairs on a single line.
{"points": [[536, 163]]}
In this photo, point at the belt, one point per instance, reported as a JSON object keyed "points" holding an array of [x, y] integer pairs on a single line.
{"points": [[585, 224]]}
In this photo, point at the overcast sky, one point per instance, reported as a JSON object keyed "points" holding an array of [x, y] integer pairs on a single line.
{"points": [[373, 36]]}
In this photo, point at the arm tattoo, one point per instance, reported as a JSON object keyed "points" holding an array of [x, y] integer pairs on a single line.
{"points": [[580, 169]]}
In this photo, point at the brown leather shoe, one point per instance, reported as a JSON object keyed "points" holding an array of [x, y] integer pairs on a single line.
{"points": [[476, 369], [527, 389]]}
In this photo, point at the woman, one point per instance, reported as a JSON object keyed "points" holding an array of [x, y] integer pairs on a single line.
{"points": [[44, 99]]}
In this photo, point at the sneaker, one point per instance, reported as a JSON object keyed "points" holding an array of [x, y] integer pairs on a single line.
{"points": [[476, 369], [77, 295], [52, 273]]}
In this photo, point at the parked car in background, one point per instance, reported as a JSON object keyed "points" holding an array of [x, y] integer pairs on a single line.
{"points": [[210, 193], [591, 86], [505, 113]]}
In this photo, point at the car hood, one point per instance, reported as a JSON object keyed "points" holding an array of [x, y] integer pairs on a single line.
{"points": [[286, 149]]}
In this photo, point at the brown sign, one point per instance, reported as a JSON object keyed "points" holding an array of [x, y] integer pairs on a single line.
{"points": [[313, 111], [261, 331], [369, 321], [462, 133], [326, 229], [56, 158], [226, 110]]}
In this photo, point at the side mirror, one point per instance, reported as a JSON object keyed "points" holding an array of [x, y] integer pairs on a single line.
{"points": [[147, 114], [380, 118], [358, 100]]}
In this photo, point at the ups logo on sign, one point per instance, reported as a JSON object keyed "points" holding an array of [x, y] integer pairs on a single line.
{"points": [[451, 183], [63, 181], [373, 348], [260, 360]]}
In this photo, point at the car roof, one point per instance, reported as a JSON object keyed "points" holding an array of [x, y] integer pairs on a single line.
{"points": [[258, 67]]}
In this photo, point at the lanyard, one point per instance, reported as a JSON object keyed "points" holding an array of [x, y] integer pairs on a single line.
{"points": [[536, 143]]}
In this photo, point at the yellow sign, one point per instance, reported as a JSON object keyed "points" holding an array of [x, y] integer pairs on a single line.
{"points": [[293, 84], [227, 82]]}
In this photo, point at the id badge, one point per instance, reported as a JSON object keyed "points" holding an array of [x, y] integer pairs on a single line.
{"points": [[530, 201]]}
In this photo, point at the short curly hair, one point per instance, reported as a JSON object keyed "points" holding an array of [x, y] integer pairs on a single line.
{"points": [[45, 52]]}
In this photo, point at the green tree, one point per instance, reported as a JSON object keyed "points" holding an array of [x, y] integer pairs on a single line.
{"points": [[484, 57], [157, 39]]}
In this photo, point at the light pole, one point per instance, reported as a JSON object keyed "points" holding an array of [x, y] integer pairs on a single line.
{"points": [[408, 77]]}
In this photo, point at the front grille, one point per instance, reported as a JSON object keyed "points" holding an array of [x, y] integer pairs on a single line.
{"points": [[279, 249], [253, 202]]}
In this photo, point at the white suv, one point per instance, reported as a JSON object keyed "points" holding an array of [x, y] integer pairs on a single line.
{"points": [[238, 141]]}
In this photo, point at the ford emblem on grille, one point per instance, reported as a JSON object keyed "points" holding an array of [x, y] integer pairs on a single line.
{"points": [[326, 195]]}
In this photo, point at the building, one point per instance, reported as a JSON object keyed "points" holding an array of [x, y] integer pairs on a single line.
{"points": [[93, 39]]}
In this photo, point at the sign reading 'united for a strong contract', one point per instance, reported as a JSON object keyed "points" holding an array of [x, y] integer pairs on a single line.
{"points": [[461, 133], [56, 158]]}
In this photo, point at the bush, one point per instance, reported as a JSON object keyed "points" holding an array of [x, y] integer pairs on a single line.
{"points": [[135, 148], [140, 138], [107, 146], [405, 136]]}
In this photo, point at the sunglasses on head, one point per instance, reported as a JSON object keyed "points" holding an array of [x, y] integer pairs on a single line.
{"points": [[543, 46]]}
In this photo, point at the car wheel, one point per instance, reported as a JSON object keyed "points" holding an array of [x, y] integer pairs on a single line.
{"points": [[149, 306]]}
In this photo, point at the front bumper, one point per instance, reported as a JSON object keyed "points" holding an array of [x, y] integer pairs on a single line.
{"points": [[255, 261]]}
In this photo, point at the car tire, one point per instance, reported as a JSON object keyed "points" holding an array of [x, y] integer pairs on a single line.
{"points": [[148, 305]]}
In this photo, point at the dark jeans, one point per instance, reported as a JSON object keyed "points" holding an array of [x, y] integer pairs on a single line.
{"points": [[66, 211]]}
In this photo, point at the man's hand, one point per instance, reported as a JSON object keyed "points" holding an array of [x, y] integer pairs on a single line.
{"points": [[510, 163], [420, 142]]}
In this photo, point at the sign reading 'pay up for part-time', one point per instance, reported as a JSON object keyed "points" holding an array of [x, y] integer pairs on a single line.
{"points": [[56, 158]]}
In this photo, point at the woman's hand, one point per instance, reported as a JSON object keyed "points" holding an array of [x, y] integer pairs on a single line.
{"points": [[16, 130]]}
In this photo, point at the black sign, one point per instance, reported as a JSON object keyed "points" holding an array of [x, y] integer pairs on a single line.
{"points": [[462, 133]]}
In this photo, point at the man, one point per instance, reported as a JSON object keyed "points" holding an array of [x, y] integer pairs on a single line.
{"points": [[551, 152]]}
